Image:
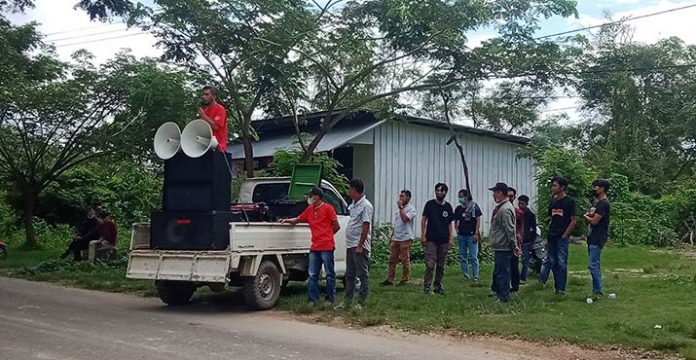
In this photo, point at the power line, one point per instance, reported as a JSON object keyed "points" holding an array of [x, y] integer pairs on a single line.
{"points": [[101, 26], [87, 35], [562, 109], [630, 18], [97, 40]]}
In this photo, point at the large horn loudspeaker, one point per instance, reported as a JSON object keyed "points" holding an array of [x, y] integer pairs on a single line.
{"points": [[197, 139], [167, 140]]}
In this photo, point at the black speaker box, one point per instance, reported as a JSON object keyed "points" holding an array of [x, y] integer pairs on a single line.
{"points": [[200, 184], [190, 230]]}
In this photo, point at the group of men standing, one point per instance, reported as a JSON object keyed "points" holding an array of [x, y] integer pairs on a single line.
{"points": [[512, 233]]}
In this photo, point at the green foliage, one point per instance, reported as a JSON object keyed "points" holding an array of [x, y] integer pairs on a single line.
{"points": [[124, 189], [285, 159], [648, 220], [642, 123], [8, 218], [570, 165]]}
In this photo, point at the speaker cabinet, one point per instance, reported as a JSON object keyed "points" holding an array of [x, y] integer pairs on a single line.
{"points": [[190, 230], [200, 184]]}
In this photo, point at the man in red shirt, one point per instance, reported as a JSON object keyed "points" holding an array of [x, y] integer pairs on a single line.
{"points": [[215, 115], [323, 223]]}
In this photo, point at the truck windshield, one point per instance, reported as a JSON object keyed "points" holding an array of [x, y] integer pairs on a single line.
{"points": [[274, 192]]}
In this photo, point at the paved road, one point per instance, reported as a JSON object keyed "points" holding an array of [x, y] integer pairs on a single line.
{"points": [[42, 321]]}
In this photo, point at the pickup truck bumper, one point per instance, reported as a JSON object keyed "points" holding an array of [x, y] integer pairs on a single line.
{"points": [[195, 266]]}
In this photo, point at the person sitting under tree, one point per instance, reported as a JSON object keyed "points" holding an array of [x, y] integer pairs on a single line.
{"points": [[88, 231]]}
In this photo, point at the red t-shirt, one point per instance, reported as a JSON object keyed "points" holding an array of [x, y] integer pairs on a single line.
{"points": [[320, 220], [109, 231], [218, 114]]}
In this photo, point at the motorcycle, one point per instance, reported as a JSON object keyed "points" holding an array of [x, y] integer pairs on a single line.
{"points": [[538, 253]]}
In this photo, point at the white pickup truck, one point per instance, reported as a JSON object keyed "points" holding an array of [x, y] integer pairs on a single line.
{"points": [[261, 256]]}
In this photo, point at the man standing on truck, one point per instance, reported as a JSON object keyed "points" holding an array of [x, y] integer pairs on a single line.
{"points": [[358, 239], [215, 115], [323, 224]]}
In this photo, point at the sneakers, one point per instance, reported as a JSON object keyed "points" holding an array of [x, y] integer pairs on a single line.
{"points": [[426, 291], [522, 282], [560, 292], [343, 306], [439, 291], [386, 283], [476, 280]]}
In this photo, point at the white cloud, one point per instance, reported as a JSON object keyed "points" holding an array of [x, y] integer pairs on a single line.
{"points": [[68, 29], [651, 29]]}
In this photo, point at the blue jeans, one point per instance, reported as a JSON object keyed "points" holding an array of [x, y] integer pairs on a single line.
{"points": [[557, 262], [526, 248], [594, 260], [316, 259], [467, 244], [501, 274]]}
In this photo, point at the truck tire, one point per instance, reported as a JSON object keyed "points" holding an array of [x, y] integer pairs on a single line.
{"points": [[262, 291], [174, 293]]}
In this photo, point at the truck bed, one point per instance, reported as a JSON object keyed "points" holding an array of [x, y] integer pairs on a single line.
{"points": [[246, 240]]}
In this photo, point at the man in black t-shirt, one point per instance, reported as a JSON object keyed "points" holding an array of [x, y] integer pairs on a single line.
{"points": [[562, 214], [598, 220], [467, 220], [437, 233]]}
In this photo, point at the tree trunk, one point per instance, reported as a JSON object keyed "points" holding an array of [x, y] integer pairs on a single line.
{"points": [[465, 166], [248, 148], [28, 202]]}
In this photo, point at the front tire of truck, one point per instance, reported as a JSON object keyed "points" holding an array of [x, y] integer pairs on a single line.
{"points": [[262, 291], [175, 293]]}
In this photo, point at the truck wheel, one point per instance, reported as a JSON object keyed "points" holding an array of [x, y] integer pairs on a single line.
{"points": [[175, 292], [262, 291]]}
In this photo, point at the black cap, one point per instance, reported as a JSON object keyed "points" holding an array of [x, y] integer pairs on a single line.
{"points": [[500, 187], [316, 191]]}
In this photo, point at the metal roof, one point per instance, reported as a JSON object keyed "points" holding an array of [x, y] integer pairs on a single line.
{"points": [[279, 133], [337, 137]]}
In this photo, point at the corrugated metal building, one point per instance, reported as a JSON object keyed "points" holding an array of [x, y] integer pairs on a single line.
{"points": [[405, 152]]}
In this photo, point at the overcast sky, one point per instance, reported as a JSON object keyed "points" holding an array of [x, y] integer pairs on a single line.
{"points": [[69, 29]]}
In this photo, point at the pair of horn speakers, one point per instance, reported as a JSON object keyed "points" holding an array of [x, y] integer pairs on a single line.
{"points": [[196, 139]]}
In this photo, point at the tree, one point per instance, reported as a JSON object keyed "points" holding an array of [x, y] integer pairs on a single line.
{"points": [[56, 115], [642, 111], [244, 45], [340, 56]]}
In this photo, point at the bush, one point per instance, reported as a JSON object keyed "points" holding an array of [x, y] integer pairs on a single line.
{"points": [[641, 219]]}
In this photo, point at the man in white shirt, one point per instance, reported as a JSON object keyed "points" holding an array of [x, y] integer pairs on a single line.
{"points": [[400, 244]]}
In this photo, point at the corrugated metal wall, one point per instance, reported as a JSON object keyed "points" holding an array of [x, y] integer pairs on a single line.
{"points": [[416, 158]]}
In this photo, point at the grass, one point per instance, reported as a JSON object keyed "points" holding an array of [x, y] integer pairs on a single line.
{"points": [[652, 288], [45, 265]]}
